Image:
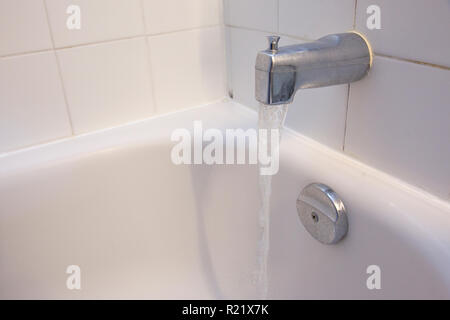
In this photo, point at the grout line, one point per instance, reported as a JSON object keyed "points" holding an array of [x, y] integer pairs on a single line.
{"points": [[354, 14], [348, 85], [428, 64], [222, 10], [278, 16], [89, 44], [85, 44], [229, 62], [149, 61], [266, 31], [58, 66], [209, 26], [182, 30], [346, 118], [144, 22], [62, 139], [228, 53], [425, 194], [145, 34], [35, 145], [18, 54]]}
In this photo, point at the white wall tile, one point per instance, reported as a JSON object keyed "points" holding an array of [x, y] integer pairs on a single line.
{"points": [[100, 20], [320, 114], [244, 46], [398, 121], [312, 19], [255, 14], [188, 68], [412, 29], [172, 15], [32, 107], [107, 84], [23, 26]]}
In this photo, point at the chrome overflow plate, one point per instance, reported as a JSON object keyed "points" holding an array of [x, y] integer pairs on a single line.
{"points": [[322, 213]]}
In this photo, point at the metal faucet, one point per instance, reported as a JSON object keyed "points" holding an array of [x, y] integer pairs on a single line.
{"points": [[331, 60]]}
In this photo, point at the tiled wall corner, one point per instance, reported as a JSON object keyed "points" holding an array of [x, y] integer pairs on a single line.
{"points": [[402, 126], [188, 68], [412, 29], [106, 84], [32, 107], [228, 61], [244, 45]]}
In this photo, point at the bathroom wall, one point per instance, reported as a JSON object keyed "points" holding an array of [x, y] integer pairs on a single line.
{"points": [[397, 119], [130, 59]]}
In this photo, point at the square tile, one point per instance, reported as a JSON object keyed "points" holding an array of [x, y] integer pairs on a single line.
{"points": [[320, 114], [188, 68], [255, 14], [172, 15], [400, 125], [23, 27], [101, 20], [411, 29], [107, 84], [32, 106], [313, 19]]}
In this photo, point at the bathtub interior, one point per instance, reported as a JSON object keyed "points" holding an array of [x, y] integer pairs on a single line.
{"points": [[141, 227]]}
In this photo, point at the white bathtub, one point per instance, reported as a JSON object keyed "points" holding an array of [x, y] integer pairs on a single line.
{"points": [[138, 226]]}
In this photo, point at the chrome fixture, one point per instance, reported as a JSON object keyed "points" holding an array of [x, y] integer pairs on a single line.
{"points": [[322, 213], [331, 60]]}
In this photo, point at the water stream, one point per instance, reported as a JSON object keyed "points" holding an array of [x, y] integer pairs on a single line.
{"points": [[270, 118]]}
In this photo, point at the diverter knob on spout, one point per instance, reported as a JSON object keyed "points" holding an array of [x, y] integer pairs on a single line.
{"points": [[273, 43]]}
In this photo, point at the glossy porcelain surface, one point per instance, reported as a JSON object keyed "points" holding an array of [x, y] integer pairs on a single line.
{"points": [[138, 226]]}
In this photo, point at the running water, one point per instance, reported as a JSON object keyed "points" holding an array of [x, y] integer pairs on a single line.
{"points": [[270, 117]]}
